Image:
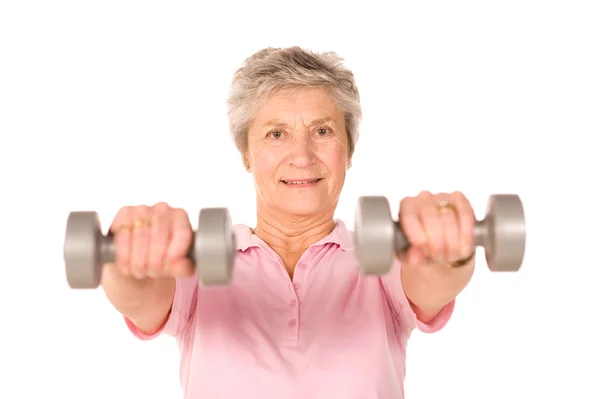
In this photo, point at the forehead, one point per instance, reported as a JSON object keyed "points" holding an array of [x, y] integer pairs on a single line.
{"points": [[306, 103]]}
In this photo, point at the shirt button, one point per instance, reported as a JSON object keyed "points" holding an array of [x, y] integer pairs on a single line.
{"points": [[296, 285], [292, 303], [292, 323], [302, 265]]}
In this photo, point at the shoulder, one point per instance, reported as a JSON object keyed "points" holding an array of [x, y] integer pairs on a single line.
{"points": [[243, 237]]}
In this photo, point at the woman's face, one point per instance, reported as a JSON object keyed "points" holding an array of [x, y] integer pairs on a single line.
{"points": [[298, 152]]}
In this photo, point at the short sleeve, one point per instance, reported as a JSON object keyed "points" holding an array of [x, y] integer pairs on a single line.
{"points": [[394, 291], [184, 304]]}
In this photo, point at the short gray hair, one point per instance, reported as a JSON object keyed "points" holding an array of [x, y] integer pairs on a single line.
{"points": [[273, 69]]}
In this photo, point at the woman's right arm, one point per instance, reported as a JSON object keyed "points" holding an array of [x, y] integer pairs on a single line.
{"points": [[151, 246], [146, 303]]}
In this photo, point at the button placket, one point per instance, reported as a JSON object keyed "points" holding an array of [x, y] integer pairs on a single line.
{"points": [[292, 304]]}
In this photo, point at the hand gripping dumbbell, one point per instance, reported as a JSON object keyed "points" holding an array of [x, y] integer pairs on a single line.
{"points": [[86, 249], [378, 238]]}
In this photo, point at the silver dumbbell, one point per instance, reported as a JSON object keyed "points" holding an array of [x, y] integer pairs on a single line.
{"points": [[378, 238], [86, 249]]}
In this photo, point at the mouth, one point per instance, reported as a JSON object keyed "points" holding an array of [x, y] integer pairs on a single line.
{"points": [[298, 182]]}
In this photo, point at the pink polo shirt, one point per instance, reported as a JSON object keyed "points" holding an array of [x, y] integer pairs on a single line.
{"points": [[328, 333]]}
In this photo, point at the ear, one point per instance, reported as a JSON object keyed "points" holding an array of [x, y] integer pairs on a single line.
{"points": [[246, 164]]}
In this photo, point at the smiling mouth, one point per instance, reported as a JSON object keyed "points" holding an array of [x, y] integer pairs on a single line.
{"points": [[300, 182]]}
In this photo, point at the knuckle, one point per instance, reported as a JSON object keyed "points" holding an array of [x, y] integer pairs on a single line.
{"points": [[457, 194], [179, 213], [128, 209], [142, 209], [161, 207], [123, 215], [407, 200]]}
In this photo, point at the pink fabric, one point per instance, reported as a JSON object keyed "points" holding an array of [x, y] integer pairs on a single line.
{"points": [[329, 333]]}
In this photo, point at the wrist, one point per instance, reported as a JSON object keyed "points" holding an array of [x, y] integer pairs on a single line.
{"points": [[464, 261], [426, 314]]}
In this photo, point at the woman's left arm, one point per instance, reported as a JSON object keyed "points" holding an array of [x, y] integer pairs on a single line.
{"points": [[441, 259], [430, 288]]}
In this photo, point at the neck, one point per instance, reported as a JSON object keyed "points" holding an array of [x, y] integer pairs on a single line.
{"points": [[290, 235]]}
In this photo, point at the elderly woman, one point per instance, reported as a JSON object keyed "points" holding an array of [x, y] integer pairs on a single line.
{"points": [[298, 320]]}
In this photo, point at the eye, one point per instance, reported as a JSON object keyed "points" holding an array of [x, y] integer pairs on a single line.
{"points": [[323, 131], [276, 134]]}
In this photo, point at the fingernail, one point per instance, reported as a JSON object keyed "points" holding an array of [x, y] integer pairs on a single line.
{"points": [[137, 274]]}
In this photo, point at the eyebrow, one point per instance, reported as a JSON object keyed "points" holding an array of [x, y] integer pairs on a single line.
{"points": [[318, 121]]}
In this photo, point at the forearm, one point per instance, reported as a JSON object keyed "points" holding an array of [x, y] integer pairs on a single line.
{"points": [[429, 290], [146, 303]]}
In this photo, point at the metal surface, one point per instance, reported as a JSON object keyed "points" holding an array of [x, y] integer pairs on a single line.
{"points": [[82, 250], [215, 246], [374, 235], [502, 233]]}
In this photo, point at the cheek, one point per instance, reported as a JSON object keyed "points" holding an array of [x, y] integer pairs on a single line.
{"points": [[265, 161], [335, 158]]}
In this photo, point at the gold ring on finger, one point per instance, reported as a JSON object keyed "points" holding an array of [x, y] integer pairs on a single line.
{"points": [[446, 206], [141, 223], [122, 228]]}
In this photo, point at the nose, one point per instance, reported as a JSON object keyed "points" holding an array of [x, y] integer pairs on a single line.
{"points": [[303, 152]]}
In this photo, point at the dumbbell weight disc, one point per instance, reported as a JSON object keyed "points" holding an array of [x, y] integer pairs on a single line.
{"points": [[374, 235], [502, 233], [215, 246], [82, 250]]}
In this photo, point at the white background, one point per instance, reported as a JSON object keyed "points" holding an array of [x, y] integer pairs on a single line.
{"points": [[105, 104]]}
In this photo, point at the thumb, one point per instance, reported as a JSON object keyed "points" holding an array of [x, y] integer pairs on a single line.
{"points": [[416, 256]]}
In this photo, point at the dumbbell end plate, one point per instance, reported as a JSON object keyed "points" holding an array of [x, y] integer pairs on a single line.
{"points": [[374, 235], [505, 237], [81, 250], [215, 246]]}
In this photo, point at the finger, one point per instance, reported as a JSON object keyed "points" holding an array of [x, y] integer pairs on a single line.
{"points": [[159, 239], [429, 214], [416, 256], [180, 239], [140, 238], [120, 229], [410, 222], [450, 226], [466, 221]]}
